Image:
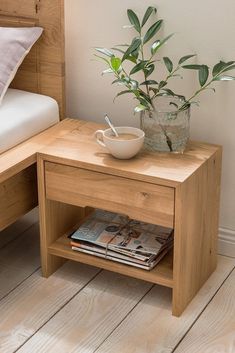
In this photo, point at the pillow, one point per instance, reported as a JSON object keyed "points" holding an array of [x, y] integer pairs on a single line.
{"points": [[15, 44]]}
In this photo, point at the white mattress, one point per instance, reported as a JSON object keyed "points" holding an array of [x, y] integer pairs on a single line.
{"points": [[23, 115]]}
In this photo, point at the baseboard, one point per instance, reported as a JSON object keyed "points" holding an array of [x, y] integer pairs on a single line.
{"points": [[226, 244]]}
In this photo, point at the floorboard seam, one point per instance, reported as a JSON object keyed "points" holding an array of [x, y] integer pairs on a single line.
{"points": [[124, 318], [67, 302], [200, 314], [12, 290], [18, 236]]}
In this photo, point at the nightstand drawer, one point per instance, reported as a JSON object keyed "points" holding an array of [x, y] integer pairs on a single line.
{"points": [[140, 200]]}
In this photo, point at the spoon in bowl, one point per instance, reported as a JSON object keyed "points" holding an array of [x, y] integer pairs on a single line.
{"points": [[111, 125]]}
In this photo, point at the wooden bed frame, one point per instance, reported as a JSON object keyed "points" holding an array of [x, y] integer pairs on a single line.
{"points": [[43, 71]]}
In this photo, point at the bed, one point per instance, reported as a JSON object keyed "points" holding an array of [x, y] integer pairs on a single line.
{"points": [[27, 115], [41, 74]]}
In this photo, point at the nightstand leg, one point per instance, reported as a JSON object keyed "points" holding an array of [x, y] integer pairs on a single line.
{"points": [[56, 219], [196, 232]]}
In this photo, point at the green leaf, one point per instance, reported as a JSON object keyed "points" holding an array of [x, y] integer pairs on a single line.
{"points": [[119, 50], [132, 59], [192, 67], [157, 45], [105, 51], [162, 84], [185, 58], [134, 20], [140, 108], [152, 31], [122, 45], [222, 67], [224, 78], [102, 58], [135, 53], [134, 84], [155, 90], [108, 71], [230, 63], [146, 97], [149, 82], [119, 81], [133, 47], [169, 92], [203, 74], [218, 68], [138, 67], [232, 67], [149, 70], [147, 14], [115, 63], [122, 93], [168, 63], [126, 79]]}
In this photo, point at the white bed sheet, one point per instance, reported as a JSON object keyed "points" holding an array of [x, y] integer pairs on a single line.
{"points": [[23, 115]]}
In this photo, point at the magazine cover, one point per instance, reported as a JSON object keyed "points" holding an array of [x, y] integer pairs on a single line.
{"points": [[114, 231]]}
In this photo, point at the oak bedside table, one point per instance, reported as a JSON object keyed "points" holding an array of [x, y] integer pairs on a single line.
{"points": [[175, 190]]}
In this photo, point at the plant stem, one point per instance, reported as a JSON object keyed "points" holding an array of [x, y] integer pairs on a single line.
{"points": [[168, 140], [187, 102]]}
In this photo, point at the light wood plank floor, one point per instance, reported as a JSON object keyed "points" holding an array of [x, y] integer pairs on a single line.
{"points": [[81, 309]]}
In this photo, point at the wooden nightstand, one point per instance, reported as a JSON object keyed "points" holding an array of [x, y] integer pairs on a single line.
{"points": [[175, 190]]}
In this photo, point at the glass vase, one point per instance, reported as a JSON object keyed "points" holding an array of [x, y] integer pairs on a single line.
{"points": [[166, 127]]}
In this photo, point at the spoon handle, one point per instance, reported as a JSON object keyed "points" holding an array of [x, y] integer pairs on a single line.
{"points": [[111, 125]]}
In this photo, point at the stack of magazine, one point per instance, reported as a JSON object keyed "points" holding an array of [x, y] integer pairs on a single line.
{"points": [[118, 238]]}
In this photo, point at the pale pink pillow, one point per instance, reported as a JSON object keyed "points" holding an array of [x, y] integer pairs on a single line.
{"points": [[15, 44]]}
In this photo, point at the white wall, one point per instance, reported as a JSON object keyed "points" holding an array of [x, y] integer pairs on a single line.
{"points": [[203, 27]]}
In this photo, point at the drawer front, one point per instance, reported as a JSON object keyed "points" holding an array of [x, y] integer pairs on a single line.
{"points": [[140, 200]]}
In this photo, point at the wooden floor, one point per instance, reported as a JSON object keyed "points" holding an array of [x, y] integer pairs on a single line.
{"points": [[81, 309]]}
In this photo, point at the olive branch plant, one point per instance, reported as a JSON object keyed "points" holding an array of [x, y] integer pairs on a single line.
{"points": [[146, 90]]}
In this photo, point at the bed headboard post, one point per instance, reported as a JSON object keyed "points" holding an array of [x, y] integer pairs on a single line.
{"points": [[43, 70]]}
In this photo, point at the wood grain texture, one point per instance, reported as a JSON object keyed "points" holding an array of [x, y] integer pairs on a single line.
{"points": [[18, 195], [161, 274], [24, 8], [18, 187], [80, 149], [150, 327], [55, 219], [19, 227], [36, 300], [196, 231], [90, 317], [142, 201], [43, 71], [19, 259], [214, 332], [25, 154], [175, 190]]}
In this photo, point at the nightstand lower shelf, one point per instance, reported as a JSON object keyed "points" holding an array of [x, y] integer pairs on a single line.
{"points": [[162, 274]]}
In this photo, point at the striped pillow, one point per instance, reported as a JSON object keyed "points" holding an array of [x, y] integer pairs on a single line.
{"points": [[15, 44]]}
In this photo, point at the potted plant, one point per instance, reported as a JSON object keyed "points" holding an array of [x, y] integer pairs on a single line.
{"points": [[164, 113]]}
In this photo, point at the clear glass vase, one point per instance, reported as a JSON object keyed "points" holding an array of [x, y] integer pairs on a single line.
{"points": [[166, 129]]}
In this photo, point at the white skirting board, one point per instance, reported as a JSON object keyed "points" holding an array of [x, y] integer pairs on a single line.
{"points": [[226, 244]]}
